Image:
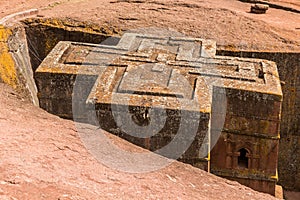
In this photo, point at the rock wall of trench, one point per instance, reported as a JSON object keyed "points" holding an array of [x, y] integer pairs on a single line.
{"points": [[15, 66]]}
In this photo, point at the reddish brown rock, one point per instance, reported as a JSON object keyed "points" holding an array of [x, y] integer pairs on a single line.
{"points": [[259, 8]]}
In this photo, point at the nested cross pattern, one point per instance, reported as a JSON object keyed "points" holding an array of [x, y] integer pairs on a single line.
{"points": [[155, 66]]}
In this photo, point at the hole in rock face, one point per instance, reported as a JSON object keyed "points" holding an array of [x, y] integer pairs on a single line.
{"points": [[243, 159], [142, 117]]}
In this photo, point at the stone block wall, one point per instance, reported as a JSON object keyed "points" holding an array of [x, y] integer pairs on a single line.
{"points": [[288, 64], [251, 125]]}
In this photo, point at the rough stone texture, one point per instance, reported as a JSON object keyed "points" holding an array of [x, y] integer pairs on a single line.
{"points": [[292, 5], [8, 72], [111, 75], [19, 50], [15, 67], [259, 8], [289, 153]]}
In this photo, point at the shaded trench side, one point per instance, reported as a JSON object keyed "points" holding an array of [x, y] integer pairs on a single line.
{"points": [[44, 34], [289, 149], [15, 67]]}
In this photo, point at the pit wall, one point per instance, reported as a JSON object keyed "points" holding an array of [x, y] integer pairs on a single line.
{"points": [[289, 149], [15, 66]]}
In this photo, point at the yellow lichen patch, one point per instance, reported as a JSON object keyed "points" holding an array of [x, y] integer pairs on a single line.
{"points": [[4, 33], [7, 67]]}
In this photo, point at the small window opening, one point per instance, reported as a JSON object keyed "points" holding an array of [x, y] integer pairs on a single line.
{"points": [[142, 117], [243, 160]]}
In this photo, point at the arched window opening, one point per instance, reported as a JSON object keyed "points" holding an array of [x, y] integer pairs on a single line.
{"points": [[243, 159]]}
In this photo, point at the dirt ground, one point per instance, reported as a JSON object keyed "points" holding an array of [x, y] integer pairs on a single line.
{"points": [[42, 156]]}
